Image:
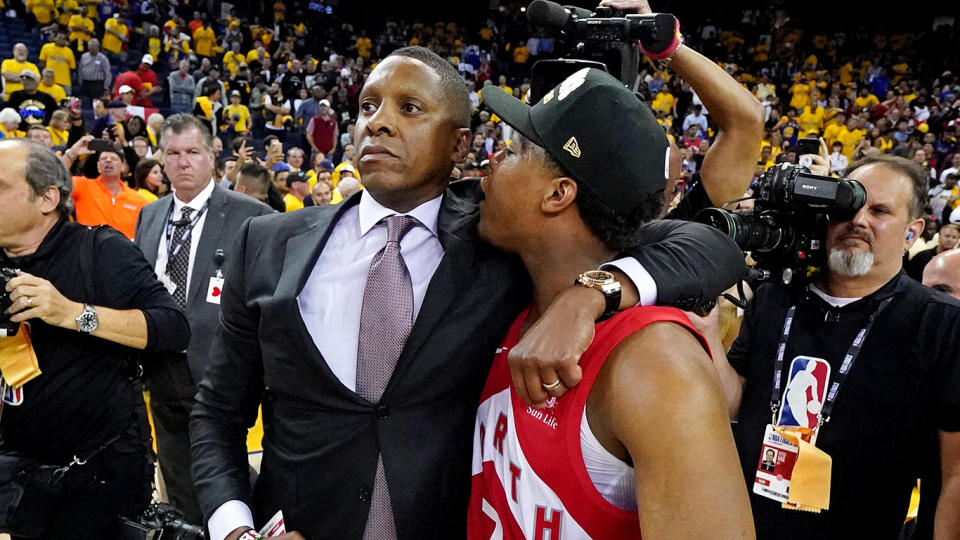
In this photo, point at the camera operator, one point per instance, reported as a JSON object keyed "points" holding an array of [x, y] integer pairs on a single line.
{"points": [[89, 300], [731, 159], [892, 388]]}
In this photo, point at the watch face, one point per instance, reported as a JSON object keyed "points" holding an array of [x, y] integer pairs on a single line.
{"points": [[87, 322], [598, 275]]}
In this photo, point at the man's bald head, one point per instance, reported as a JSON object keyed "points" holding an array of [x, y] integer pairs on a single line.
{"points": [[943, 273]]}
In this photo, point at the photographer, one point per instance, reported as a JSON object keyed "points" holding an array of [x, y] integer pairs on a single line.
{"points": [[892, 389], [89, 300]]}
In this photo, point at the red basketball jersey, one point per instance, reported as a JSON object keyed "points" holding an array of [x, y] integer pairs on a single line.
{"points": [[529, 479]]}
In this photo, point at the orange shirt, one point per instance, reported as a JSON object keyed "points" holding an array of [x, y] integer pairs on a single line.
{"points": [[97, 206]]}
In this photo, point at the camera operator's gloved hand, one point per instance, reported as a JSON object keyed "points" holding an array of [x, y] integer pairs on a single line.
{"points": [[665, 41], [667, 38]]}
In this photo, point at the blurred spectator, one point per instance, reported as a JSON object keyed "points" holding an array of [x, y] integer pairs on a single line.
{"points": [[182, 87], [95, 74], [253, 180], [321, 194], [322, 130], [10, 123], [297, 190], [12, 70], [149, 80], [949, 237], [107, 200], [34, 106], [115, 35], [943, 273], [148, 176], [59, 57], [49, 86]]}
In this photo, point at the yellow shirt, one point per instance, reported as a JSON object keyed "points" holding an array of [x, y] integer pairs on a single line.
{"points": [[850, 139], [66, 8], [147, 194], [60, 60], [801, 95], [242, 111], [292, 203], [59, 136], [831, 132], [811, 120], [111, 42], [870, 100], [520, 55], [231, 61], [363, 45], [11, 64], [663, 103], [252, 55], [153, 47], [846, 73], [203, 40], [43, 10], [55, 91], [85, 26], [335, 175]]}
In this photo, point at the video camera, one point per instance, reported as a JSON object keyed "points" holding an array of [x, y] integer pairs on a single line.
{"points": [[7, 328], [160, 522], [786, 233], [604, 39]]}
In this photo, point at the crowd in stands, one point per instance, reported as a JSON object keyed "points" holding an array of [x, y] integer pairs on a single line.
{"points": [[271, 74], [279, 91]]}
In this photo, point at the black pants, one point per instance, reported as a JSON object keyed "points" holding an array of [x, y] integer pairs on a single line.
{"points": [[93, 89], [113, 483], [171, 399]]}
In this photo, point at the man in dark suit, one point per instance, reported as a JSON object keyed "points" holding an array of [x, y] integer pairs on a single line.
{"points": [[186, 237], [358, 444]]}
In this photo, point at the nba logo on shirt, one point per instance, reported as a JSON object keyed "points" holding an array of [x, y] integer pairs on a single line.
{"points": [[804, 392], [12, 396]]}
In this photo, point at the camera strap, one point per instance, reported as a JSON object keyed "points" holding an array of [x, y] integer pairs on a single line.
{"points": [[841, 375]]}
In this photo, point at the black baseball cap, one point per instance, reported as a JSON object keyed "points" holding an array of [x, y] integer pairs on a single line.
{"points": [[296, 177], [602, 134]]}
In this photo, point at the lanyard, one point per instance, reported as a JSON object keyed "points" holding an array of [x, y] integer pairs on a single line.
{"points": [[852, 352], [172, 250]]}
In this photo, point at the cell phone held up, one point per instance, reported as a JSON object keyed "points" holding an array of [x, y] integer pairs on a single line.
{"points": [[101, 145], [805, 147]]}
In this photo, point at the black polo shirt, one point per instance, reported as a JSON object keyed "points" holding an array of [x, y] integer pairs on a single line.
{"points": [[85, 395], [902, 388]]}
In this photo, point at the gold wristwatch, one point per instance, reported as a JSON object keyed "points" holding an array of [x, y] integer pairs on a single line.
{"points": [[604, 282]]}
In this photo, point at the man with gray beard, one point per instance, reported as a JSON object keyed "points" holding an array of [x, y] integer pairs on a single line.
{"points": [[884, 349]]}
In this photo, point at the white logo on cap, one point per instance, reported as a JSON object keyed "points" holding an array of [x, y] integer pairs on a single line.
{"points": [[572, 83], [572, 146], [547, 98]]}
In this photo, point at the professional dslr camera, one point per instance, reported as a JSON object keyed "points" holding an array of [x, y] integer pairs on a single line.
{"points": [[605, 39], [7, 328], [786, 233], [160, 522]]}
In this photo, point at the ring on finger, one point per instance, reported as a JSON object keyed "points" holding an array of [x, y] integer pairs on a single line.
{"points": [[552, 386], [29, 301]]}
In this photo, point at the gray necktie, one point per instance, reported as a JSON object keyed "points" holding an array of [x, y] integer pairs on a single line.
{"points": [[178, 264], [385, 322]]}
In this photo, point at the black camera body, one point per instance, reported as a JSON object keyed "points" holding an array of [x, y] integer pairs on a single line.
{"points": [[605, 38], [786, 233], [7, 328], [160, 522]]}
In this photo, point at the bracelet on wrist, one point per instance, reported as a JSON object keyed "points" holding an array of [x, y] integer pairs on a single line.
{"points": [[250, 534]]}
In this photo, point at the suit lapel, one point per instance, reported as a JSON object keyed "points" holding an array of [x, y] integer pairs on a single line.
{"points": [[303, 250], [154, 230], [210, 238], [455, 227]]}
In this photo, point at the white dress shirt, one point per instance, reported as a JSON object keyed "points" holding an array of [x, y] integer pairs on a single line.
{"points": [[196, 204], [332, 298]]}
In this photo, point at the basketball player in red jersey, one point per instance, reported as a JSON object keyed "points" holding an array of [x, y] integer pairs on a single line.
{"points": [[643, 442]]}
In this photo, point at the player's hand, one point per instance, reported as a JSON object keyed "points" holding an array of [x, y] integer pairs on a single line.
{"points": [[550, 350], [37, 298], [636, 6]]}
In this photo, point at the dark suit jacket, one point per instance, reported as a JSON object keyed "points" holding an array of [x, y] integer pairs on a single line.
{"points": [[224, 217], [321, 440]]}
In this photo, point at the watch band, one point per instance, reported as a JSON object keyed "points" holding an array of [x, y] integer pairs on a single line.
{"points": [[250, 534]]}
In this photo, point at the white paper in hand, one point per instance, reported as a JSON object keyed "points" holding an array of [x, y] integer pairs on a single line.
{"points": [[274, 527]]}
